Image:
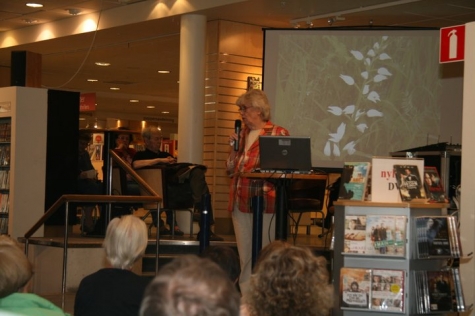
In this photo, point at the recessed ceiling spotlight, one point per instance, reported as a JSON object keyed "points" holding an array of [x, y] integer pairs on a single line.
{"points": [[134, 101], [114, 88], [30, 21], [165, 112], [164, 71], [34, 5], [150, 106], [92, 80], [73, 11], [103, 64]]}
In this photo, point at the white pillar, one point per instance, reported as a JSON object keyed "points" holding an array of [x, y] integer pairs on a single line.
{"points": [[191, 89], [467, 204]]}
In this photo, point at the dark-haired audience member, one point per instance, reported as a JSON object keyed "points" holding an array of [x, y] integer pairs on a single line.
{"points": [[288, 280], [191, 286], [87, 181], [15, 275], [116, 290], [226, 258]]}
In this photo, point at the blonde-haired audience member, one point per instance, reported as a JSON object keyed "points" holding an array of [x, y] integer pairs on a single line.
{"points": [[116, 290], [15, 275], [191, 286], [288, 280]]}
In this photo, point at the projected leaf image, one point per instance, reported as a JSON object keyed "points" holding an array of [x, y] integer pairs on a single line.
{"points": [[358, 96], [354, 114]]}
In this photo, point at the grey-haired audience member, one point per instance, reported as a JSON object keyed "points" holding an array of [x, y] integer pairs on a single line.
{"points": [[191, 286], [116, 290]]}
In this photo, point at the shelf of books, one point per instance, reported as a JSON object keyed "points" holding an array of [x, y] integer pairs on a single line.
{"points": [[5, 143], [396, 258], [23, 117]]}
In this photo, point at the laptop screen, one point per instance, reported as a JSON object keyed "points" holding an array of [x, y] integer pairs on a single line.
{"points": [[285, 153]]}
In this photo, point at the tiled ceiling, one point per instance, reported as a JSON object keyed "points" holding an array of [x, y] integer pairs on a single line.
{"points": [[137, 51]]}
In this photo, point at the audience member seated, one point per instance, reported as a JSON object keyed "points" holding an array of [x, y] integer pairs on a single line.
{"points": [[87, 182], [195, 177], [116, 290], [288, 280], [15, 275], [190, 286], [123, 138], [227, 259]]}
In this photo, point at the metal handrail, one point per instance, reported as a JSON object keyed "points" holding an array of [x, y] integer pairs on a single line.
{"points": [[110, 199]]}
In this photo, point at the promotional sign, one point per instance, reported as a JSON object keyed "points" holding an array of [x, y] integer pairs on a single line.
{"points": [[87, 102], [452, 44]]}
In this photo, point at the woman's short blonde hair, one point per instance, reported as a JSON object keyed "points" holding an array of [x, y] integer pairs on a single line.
{"points": [[289, 280], [15, 268], [125, 241], [258, 100]]}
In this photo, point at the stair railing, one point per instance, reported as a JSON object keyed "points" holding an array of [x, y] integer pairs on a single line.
{"points": [[66, 199]]}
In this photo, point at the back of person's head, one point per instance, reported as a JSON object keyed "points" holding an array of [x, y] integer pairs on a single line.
{"points": [[226, 258], [125, 241], [85, 136], [190, 286], [289, 280], [15, 268]]}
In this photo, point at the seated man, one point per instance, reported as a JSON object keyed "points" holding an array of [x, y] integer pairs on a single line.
{"points": [[153, 156]]}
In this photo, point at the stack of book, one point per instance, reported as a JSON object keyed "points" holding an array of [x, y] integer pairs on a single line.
{"points": [[437, 237], [382, 235], [439, 291], [372, 289]]}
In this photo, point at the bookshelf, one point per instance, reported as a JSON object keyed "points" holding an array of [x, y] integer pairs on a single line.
{"points": [[23, 158], [42, 165], [407, 262]]}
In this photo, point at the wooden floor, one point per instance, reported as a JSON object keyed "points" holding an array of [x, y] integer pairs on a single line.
{"points": [[76, 240]]}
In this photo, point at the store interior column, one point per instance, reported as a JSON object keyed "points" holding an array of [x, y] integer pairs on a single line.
{"points": [[191, 90]]}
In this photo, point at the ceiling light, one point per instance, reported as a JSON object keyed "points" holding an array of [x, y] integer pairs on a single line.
{"points": [[134, 101], [165, 112], [92, 80], [151, 107], [34, 5], [103, 64], [73, 11], [30, 21], [164, 71], [114, 88]]}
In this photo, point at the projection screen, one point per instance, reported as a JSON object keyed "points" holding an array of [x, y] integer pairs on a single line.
{"points": [[356, 93]]}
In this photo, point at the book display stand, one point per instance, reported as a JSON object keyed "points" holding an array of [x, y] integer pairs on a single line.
{"points": [[387, 260]]}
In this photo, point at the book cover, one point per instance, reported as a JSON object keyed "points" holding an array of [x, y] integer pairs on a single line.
{"points": [[409, 182], [433, 186], [386, 235], [440, 291], [384, 186], [354, 181], [355, 285], [387, 290], [355, 234], [433, 237]]}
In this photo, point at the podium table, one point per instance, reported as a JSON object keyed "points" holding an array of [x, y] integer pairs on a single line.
{"points": [[281, 181]]}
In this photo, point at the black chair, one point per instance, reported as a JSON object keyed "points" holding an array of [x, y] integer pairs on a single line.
{"points": [[156, 178], [304, 196]]}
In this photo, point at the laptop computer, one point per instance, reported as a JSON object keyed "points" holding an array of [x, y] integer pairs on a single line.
{"points": [[285, 154]]}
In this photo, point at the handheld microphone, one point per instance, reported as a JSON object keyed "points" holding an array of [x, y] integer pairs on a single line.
{"points": [[237, 130]]}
